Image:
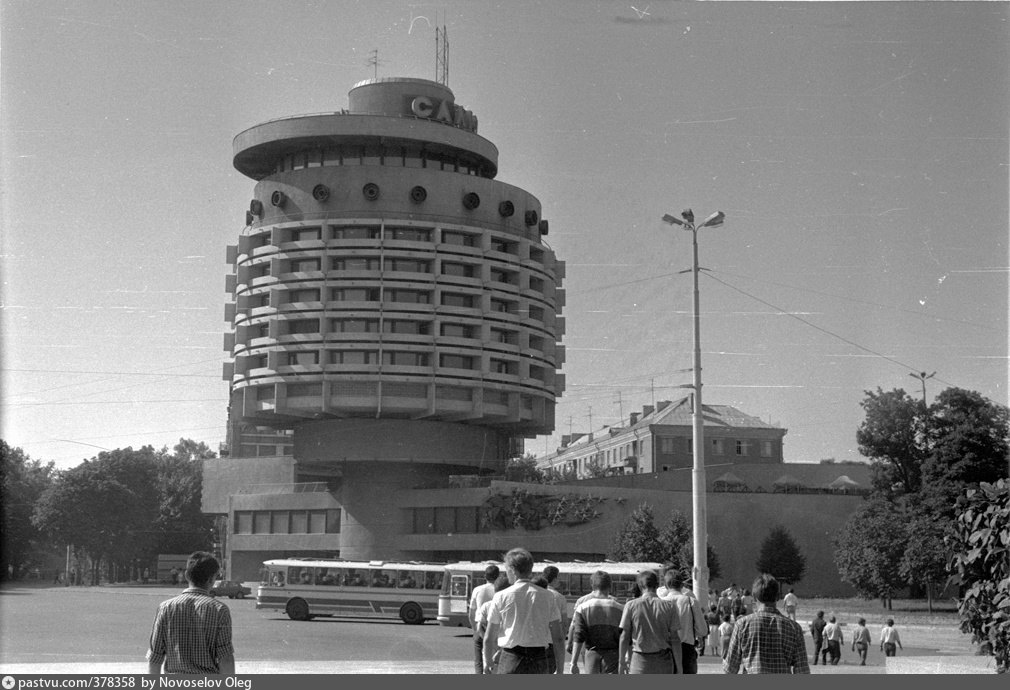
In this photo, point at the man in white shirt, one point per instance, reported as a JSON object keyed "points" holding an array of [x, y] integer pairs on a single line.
{"points": [[480, 595], [523, 620], [889, 639], [692, 619], [791, 601]]}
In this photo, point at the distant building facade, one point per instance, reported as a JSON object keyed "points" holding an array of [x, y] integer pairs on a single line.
{"points": [[660, 438]]}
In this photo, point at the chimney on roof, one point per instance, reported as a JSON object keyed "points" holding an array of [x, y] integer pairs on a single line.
{"points": [[634, 418], [647, 410]]}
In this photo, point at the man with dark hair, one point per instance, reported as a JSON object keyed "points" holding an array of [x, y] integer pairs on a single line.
{"points": [[551, 573], [650, 637], [523, 620], [596, 627], [480, 595], [692, 620], [766, 641], [192, 632], [817, 626]]}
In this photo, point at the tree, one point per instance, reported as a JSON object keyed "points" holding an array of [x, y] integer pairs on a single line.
{"points": [[926, 553], [968, 445], [638, 539], [891, 437], [781, 557], [22, 481], [869, 548], [105, 507], [181, 526], [982, 563], [524, 470]]}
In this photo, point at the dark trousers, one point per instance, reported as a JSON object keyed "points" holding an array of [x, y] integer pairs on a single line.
{"points": [[835, 651], [818, 647], [478, 654], [689, 657], [655, 662], [552, 662], [890, 649], [602, 661], [523, 660]]}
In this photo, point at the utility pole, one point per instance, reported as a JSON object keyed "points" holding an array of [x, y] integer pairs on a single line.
{"points": [[698, 488]]}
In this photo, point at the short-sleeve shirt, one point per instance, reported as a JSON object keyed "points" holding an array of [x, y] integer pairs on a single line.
{"points": [[654, 624], [597, 623], [766, 641], [480, 594], [191, 634], [888, 635], [524, 613]]}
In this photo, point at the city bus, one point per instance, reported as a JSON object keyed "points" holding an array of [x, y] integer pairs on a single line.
{"points": [[305, 588], [573, 581]]}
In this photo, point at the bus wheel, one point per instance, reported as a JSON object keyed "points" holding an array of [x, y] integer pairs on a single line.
{"points": [[298, 610], [411, 614]]}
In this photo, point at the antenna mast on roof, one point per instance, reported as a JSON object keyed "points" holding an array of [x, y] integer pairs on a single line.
{"points": [[441, 54], [374, 62]]}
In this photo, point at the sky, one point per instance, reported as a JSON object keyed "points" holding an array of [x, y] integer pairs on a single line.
{"points": [[858, 150]]}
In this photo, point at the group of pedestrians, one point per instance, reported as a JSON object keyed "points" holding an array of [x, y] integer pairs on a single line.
{"points": [[519, 626], [829, 639]]}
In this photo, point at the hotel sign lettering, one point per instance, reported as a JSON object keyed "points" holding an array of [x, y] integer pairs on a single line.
{"points": [[444, 111]]}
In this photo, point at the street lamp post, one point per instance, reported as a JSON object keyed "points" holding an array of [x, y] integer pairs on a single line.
{"points": [[700, 572], [922, 377]]}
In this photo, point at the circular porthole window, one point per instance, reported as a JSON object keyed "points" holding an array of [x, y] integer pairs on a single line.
{"points": [[371, 191], [320, 192]]}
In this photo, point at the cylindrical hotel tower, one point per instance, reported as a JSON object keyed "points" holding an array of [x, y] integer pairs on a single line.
{"points": [[393, 304]]}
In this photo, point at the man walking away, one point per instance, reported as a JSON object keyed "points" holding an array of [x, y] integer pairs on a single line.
{"points": [[861, 641], [650, 638], [889, 638], [596, 627], [480, 620], [522, 620], [725, 634], [192, 632], [834, 639], [692, 619], [791, 601], [480, 595], [817, 632], [551, 575], [766, 641]]}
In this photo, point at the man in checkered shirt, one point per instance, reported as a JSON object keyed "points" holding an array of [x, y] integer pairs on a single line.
{"points": [[766, 641], [192, 632]]}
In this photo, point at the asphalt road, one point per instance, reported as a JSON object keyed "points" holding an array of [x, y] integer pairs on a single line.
{"points": [[106, 629]]}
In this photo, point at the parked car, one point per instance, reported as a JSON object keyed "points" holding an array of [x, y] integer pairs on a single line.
{"points": [[232, 590]]}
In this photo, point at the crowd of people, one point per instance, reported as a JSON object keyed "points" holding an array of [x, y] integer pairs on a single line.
{"points": [[519, 623]]}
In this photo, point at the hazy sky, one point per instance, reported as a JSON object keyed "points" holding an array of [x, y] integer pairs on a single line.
{"points": [[859, 151]]}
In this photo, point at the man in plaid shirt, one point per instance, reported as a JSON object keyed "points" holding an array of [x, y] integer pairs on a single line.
{"points": [[192, 632], [766, 641]]}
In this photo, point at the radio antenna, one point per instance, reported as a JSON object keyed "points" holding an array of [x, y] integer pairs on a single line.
{"points": [[374, 62], [441, 53]]}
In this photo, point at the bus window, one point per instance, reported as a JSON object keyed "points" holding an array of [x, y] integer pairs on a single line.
{"points": [[326, 577], [381, 578], [354, 579], [293, 575], [278, 579], [406, 580], [433, 580], [459, 586], [305, 577], [624, 586]]}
